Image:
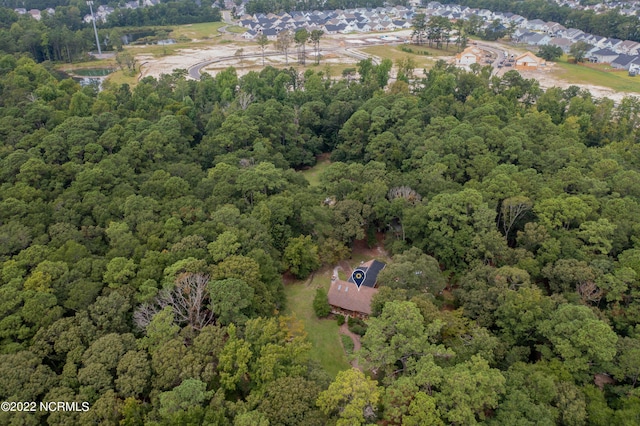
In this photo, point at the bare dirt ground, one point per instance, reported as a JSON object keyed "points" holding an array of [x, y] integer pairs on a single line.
{"points": [[336, 50], [548, 80]]}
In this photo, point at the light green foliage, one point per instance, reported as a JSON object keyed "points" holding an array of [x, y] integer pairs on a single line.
{"points": [[230, 299], [423, 411], [190, 393], [119, 271], [134, 373], [579, 337], [456, 228], [562, 212], [234, 360], [396, 337], [144, 231], [414, 271], [225, 245], [349, 396], [301, 256], [468, 389]]}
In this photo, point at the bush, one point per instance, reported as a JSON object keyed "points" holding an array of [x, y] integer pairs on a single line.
{"points": [[357, 326], [347, 343], [340, 319], [321, 303]]}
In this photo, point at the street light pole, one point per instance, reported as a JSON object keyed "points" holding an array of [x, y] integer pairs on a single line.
{"points": [[95, 30]]}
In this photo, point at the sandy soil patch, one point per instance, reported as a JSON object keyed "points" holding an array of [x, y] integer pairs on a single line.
{"points": [[223, 56]]}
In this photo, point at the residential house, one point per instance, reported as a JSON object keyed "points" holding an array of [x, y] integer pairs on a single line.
{"points": [[35, 14], [611, 43], [535, 39], [470, 55], [536, 25], [402, 24], [249, 35], [347, 299], [554, 28], [573, 33], [271, 33], [603, 56], [529, 61], [624, 61], [629, 47], [562, 42]]}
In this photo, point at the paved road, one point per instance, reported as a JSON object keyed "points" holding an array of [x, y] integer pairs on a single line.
{"points": [[226, 17], [500, 55]]}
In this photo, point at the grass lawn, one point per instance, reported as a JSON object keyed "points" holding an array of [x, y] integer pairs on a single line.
{"points": [[616, 80], [201, 31], [236, 29], [123, 77], [313, 174], [323, 334]]}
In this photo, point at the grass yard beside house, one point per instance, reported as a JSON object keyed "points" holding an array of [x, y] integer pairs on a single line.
{"points": [[323, 334]]}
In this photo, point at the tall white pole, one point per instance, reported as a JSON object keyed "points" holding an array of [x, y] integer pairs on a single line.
{"points": [[95, 30]]}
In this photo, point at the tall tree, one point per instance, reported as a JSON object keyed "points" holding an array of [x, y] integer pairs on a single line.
{"points": [[579, 50], [262, 41], [301, 37], [283, 43], [315, 37], [352, 396], [419, 23]]}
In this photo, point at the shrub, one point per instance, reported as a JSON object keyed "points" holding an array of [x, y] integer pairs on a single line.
{"points": [[321, 303], [357, 326], [347, 343], [340, 319]]}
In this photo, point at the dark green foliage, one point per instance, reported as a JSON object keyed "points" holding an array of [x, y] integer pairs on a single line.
{"points": [[550, 53], [586, 20], [523, 203], [357, 326], [321, 304], [340, 319]]}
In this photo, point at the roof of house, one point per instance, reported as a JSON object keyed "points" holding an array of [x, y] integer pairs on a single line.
{"points": [[346, 295], [624, 59], [605, 52], [531, 56], [561, 41], [371, 270]]}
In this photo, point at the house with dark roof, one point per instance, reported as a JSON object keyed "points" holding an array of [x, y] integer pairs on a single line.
{"points": [[562, 42], [603, 56], [347, 299], [624, 61]]}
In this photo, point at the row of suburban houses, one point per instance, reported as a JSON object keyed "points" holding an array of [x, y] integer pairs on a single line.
{"points": [[622, 54], [329, 21]]}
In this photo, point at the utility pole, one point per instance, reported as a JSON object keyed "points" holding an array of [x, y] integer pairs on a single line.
{"points": [[95, 30]]}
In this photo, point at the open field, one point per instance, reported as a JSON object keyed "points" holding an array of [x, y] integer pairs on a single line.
{"points": [[312, 174], [617, 80], [323, 334], [202, 31]]}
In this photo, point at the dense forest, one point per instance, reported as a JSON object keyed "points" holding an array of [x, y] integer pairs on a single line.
{"points": [[610, 24], [144, 231]]}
